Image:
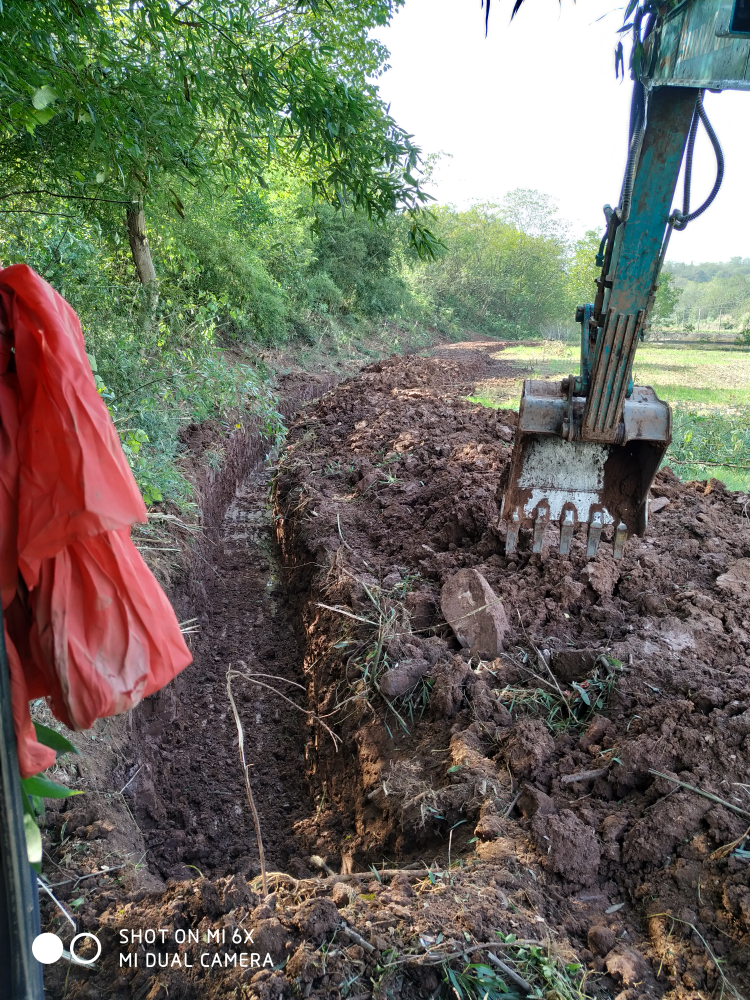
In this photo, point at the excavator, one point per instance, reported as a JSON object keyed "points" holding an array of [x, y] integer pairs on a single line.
{"points": [[587, 448]]}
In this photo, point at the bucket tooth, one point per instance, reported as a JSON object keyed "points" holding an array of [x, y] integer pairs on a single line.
{"points": [[540, 526], [595, 534], [554, 465], [621, 536], [511, 539], [566, 533]]}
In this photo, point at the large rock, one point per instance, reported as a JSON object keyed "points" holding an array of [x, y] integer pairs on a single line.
{"points": [[475, 613]]}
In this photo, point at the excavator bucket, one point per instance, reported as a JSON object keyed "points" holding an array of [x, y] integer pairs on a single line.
{"points": [[557, 478], [587, 448]]}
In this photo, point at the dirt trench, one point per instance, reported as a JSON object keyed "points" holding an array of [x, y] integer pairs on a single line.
{"points": [[509, 806], [182, 812], [189, 796]]}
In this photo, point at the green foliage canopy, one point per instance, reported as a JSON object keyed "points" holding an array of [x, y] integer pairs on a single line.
{"points": [[105, 100], [495, 277]]}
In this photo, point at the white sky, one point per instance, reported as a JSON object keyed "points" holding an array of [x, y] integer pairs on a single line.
{"points": [[536, 105]]}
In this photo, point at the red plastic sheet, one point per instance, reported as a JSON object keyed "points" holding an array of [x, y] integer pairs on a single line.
{"points": [[86, 623]]}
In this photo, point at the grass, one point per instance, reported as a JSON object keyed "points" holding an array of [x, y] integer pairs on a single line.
{"points": [[524, 971], [708, 389], [370, 645], [559, 707]]}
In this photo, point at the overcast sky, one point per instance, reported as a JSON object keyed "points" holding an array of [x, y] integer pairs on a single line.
{"points": [[536, 105]]}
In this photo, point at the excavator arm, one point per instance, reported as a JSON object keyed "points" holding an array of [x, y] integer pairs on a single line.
{"points": [[587, 448]]}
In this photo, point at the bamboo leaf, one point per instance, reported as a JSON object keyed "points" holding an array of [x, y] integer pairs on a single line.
{"points": [[50, 737], [37, 785]]}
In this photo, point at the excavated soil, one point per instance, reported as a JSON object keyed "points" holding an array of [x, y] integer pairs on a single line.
{"points": [[498, 811], [389, 486]]}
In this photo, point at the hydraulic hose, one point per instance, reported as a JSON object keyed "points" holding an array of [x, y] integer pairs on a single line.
{"points": [[637, 132], [681, 219]]}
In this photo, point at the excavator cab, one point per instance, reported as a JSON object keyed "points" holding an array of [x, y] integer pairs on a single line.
{"points": [[587, 448]]}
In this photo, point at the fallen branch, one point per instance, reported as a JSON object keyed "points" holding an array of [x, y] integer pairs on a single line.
{"points": [[699, 791], [512, 806], [355, 937], [567, 779], [248, 789], [510, 973]]}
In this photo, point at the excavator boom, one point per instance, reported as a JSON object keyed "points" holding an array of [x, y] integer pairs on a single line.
{"points": [[587, 448]]}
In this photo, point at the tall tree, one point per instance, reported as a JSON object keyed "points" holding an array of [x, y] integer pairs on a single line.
{"points": [[111, 101]]}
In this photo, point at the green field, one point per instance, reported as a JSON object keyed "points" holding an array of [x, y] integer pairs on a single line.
{"points": [[709, 390]]}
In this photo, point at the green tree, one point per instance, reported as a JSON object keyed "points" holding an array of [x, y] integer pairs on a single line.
{"points": [[534, 213], [493, 277], [583, 270], [668, 295], [109, 102], [360, 259]]}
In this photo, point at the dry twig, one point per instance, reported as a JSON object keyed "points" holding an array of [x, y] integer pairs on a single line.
{"points": [[510, 973], [585, 775], [699, 791], [248, 788], [355, 937]]}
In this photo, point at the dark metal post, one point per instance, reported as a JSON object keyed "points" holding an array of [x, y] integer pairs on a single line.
{"points": [[20, 973]]}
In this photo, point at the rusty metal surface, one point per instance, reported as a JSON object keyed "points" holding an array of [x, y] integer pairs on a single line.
{"points": [[696, 47], [633, 264], [613, 364]]}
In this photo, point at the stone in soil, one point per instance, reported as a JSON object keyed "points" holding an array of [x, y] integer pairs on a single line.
{"points": [[475, 613]]}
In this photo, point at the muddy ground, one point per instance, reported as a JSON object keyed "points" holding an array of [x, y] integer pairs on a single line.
{"points": [[499, 811]]}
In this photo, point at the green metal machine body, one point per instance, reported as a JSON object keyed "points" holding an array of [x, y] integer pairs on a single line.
{"points": [[703, 44], [587, 448]]}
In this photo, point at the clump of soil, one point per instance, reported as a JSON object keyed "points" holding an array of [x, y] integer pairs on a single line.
{"points": [[612, 671]]}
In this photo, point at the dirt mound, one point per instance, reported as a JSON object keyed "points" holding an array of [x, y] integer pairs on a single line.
{"points": [[545, 759], [513, 807]]}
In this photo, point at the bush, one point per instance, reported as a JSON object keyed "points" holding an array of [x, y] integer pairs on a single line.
{"points": [[361, 259], [492, 277]]}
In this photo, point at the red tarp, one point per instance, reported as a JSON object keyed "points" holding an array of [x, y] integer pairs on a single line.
{"points": [[86, 623]]}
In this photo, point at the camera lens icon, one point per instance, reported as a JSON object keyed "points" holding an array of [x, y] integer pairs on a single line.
{"points": [[48, 949]]}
